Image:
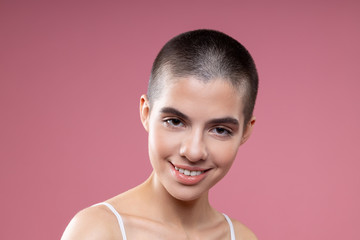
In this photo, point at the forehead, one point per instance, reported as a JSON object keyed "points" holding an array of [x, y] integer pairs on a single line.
{"points": [[201, 99]]}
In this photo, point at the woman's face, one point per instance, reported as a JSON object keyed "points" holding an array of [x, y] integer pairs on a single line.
{"points": [[195, 130]]}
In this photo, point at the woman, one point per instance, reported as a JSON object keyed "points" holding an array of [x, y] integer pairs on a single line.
{"points": [[197, 112]]}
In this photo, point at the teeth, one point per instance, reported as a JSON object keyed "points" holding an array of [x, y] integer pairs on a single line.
{"points": [[188, 172]]}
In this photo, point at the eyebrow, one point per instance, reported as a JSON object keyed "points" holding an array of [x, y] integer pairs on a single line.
{"points": [[170, 110], [225, 120]]}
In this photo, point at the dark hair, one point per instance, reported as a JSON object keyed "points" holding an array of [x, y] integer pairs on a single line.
{"points": [[206, 55]]}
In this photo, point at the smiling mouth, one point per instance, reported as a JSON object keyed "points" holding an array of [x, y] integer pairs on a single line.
{"points": [[188, 175], [188, 172]]}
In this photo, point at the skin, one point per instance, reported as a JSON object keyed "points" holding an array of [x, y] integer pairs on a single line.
{"points": [[194, 125]]}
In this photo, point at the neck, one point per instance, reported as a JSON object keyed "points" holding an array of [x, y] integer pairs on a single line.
{"points": [[172, 210]]}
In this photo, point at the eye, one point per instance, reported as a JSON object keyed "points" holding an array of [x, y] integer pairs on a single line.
{"points": [[173, 122], [222, 132]]}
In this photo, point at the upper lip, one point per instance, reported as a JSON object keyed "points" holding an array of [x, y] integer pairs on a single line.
{"points": [[190, 168]]}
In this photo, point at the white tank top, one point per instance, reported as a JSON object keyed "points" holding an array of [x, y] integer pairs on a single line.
{"points": [[122, 228]]}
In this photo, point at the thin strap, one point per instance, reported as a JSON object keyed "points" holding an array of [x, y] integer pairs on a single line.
{"points": [[232, 233], [121, 223]]}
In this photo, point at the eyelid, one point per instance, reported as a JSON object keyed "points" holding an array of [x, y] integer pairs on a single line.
{"points": [[172, 118], [229, 131], [167, 119]]}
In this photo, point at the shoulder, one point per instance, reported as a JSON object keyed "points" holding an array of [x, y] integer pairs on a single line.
{"points": [[242, 232], [96, 222]]}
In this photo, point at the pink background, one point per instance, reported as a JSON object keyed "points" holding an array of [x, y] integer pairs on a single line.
{"points": [[70, 135]]}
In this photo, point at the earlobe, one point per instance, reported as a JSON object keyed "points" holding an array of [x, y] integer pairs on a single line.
{"points": [[248, 130], [144, 111]]}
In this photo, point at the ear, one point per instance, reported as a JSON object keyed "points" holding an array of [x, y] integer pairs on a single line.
{"points": [[248, 130], [144, 111]]}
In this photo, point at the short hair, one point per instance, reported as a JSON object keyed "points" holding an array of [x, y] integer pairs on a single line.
{"points": [[206, 55]]}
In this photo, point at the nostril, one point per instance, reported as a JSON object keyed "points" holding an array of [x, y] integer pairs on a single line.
{"points": [[193, 147]]}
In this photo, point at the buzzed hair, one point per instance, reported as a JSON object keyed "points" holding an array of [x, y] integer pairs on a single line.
{"points": [[206, 55]]}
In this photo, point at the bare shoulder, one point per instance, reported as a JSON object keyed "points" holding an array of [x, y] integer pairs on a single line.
{"points": [[242, 232], [96, 222]]}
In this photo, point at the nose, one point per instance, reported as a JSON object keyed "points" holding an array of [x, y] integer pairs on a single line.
{"points": [[193, 147]]}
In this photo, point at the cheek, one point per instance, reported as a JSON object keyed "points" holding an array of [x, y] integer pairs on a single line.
{"points": [[223, 154], [161, 145]]}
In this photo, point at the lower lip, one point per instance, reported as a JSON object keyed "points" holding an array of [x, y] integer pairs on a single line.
{"points": [[187, 180]]}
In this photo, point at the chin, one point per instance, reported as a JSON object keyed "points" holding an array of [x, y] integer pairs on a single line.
{"points": [[186, 193], [186, 198]]}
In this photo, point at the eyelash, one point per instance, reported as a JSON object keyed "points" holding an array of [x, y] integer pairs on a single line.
{"points": [[170, 122], [228, 132], [177, 123]]}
